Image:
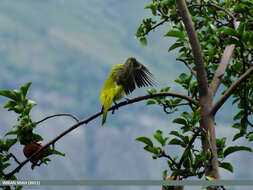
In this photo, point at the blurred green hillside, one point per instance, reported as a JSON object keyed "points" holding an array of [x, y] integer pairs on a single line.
{"points": [[66, 49], [69, 46]]}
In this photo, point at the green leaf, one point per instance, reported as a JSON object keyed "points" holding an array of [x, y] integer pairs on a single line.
{"points": [[5, 165], [151, 149], [1, 141], [165, 89], [145, 140], [227, 166], [149, 6], [10, 104], [18, 95], [143, 41], [158, 136], [238, 135], [139, 31], [236, 125], [151, 91], [152, 7], [175, 133], [8, 94], [37, 137], [180, 121], [31, 103], [186, 162], [175, 33], [165, 174], [241, 28], [9, 143], [176, 141], [221, 142], [149, 102], [177, 101], [250, 138], [174, 46], [232, 149], [57, 152], [14, 131], [231, 41], [228, 31], [24, 89], [18, 108]]}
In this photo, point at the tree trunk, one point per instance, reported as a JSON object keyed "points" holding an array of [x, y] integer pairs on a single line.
{"points": [[209, 137]]}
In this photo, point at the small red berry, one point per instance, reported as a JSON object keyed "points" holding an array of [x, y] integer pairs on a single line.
{"points": [[31, 148]]}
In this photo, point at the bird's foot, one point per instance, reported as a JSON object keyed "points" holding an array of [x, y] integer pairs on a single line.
{"points": [[127, 99], [115, 108]]}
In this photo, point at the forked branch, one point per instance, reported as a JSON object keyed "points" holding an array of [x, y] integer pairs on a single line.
{"points": [[87, 120], [230, 90]]}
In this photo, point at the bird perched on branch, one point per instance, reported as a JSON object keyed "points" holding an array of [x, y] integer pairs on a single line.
{"points": [[122, 81]]}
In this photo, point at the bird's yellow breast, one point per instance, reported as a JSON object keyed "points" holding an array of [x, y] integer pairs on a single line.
{"points": [[111, 91]]}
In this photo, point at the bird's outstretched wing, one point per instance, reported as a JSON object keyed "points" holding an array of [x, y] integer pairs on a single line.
{"points": [[133, 74]]}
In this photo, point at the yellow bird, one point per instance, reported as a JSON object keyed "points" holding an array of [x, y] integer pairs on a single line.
{"points": [[122, 81]]}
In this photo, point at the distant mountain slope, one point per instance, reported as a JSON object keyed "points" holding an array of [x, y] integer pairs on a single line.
{"points": [[66, 48]]}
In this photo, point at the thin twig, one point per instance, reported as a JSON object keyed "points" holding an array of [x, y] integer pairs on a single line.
{"points": [[155, 26], [222, 9], [216, 6], [196, 134], [14, 157], [57, 115], [168, 156], [188, 66], [87, 120], [180, 104]]}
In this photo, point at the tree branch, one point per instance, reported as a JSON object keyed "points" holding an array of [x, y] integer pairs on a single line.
{"points": [[87, 120], [168, 156], [222, 9], [196, 134], [217, 7], [15, 158], [230, 90], [222, 65], [57, 115], [188, 66], [155, 26], [196, 50]]}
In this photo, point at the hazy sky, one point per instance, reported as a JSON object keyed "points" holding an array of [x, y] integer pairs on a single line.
{"points": [[66, 48]]}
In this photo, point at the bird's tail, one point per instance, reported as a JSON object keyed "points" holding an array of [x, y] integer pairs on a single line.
{"points": [[106, 106], [104, 116]]}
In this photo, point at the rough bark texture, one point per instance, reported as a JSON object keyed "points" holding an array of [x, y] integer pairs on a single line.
{"points": [[208, 136], [206, 97], [206, 94]]}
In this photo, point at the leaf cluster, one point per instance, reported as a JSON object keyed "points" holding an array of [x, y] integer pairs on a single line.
{"points": [[23, 132], [215, 24]]}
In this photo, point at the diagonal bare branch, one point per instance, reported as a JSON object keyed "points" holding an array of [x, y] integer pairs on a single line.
{"points": [[57, 115], [188, 66], [230, 90], [222, 65], [87, 120]]}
